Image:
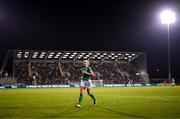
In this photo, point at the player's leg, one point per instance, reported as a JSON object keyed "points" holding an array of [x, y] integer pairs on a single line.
{"points": [[89, 85], [81, 95], [91, 95], [82, 88]]}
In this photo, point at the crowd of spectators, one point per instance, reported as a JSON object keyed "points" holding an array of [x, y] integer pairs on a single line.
{"points": [[44, 73], [21, 72], [116, 73]]}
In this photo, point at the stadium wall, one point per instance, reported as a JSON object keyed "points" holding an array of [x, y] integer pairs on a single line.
{"points": [[76, 86]]}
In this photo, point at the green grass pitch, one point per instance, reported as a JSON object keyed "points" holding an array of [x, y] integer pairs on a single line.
{"points": [[113, 102]]}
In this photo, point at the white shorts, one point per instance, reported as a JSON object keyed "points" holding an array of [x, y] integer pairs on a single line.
{"points": [[86, 84]]}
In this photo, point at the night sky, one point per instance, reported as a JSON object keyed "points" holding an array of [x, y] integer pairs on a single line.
{"points": [[129, 25]]}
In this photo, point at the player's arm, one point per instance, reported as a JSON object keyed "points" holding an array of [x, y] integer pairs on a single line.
{"points": [[90, 74]]}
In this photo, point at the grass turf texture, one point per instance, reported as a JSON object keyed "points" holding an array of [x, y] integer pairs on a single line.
{"points": [[114, 102]]}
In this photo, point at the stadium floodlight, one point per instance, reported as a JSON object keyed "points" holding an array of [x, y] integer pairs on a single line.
{"points": [[126, 54], [18, 55], [26, 55], [72, 55], [68, 53], [75, 53], [52, 53], [125, 58], [129, 56], [34, 56], [43, 53], [59, 53], [35, 52], [56, 57], [168, 17], [137, 74], [41, 57], [102, 55], [133, 54]]}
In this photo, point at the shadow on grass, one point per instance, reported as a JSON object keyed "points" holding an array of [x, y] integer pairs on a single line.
{"points": [[67, 112]]}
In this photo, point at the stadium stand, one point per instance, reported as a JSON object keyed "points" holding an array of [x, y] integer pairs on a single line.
{"points": [[64, 67]]}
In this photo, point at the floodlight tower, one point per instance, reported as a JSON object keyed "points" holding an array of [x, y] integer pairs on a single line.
{"points": [[168, 17]]}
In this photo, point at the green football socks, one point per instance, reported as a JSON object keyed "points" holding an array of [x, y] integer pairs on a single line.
{"points": [[80, 98], [93, 97]]}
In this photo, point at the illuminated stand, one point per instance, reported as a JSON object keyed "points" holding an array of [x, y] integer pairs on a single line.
{"points": [[137, 61]]}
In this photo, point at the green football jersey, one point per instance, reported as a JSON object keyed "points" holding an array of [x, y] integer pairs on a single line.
{"points": [[85, 76]]}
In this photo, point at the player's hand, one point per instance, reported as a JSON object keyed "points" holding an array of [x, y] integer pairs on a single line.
{"points": [[83, 71]]}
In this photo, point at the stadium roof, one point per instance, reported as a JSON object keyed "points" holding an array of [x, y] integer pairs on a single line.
{"points": [[75, 55]]}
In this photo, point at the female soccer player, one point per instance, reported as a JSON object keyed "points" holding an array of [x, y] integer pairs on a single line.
{"points": [[86, 82]]}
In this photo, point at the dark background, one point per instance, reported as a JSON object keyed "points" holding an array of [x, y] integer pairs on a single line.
{"points": [[129, 25]]}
